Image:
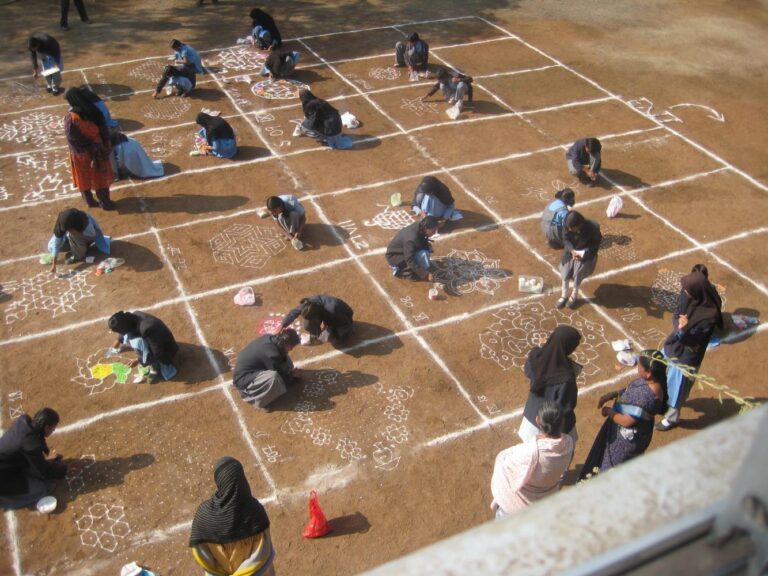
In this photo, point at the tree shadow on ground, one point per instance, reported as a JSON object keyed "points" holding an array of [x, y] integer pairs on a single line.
{"points": [[87, 475], [624, 179], [180, 203], [355, 523], [709, 411], [314, 390], [655, 301], [460, 276], [194, 366], [137, 257]]}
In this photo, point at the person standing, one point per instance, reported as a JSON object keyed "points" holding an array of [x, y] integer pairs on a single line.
{"points": [[64, 22], [230, 531], [408, 254], [628, 427], [530, 471], [584, 159], [152, 340], [28, 468], [51, 61], [264, 370], [325, 317], [580, 247], [553, 217], [76, 231], [89, 149], [685, 347], [552, 374]]}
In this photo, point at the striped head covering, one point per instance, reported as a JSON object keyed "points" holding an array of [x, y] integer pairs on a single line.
{"points": [[232, 513]]}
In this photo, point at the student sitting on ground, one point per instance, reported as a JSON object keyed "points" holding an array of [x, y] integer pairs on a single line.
{"points": [[321, 121], [51, 60], [584, 159], [580, 247], [553, 217], [415, 54], [408, 252], [75, 231], [289, 217], [230, 531], [129, 158], [327, 318], [264, 32], [280, 63], [454, 86], [28, 467], [264, 370], [182, 78], [151, 339], [433, 198], [218, 135], [186, 56]]}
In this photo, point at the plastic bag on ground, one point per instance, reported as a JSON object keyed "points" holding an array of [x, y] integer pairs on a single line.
{"points": [[317, 525]]}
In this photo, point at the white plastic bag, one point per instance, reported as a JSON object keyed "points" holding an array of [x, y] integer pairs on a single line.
{"points": [[245, 297], [614, 207], [349, 120]]}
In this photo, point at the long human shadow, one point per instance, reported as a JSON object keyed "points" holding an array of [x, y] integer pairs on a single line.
{"points": [[655, 301], [87, 475], [624, 179], [137, 257], [316, 388], [180, 203], [317, 235], [475, 220], [458, 274], [355, 523], [194, 365]]}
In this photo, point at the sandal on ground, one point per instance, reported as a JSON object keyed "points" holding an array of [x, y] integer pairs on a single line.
{"points": [[665, 425], [561, 303]]}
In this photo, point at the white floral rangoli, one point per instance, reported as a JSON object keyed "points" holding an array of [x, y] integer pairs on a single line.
{"points": [[386, 73], [246, 245], [239, 58], [665, 291], [282, 89], [168, 108], [518, 328], [45, 291], [41, 129], [466, 271], [418, 107], [391, 219], [103, 525]]}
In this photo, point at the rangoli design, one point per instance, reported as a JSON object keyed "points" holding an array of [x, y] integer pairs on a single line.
{"points": [[518, 328], [238, 59], [387, 73], [246, 245], [282, 89], [391, 219], [41, 129], [104, 525], [168, 108], [151, 70], [272, 323], [15, 94], [45, 291], [418, 107], [665, 291], [101, 371], [616, 244], [44, 175], [162, 146], [466, 271], [390, 435]]}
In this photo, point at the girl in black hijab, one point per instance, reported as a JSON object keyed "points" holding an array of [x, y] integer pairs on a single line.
{"points": [[75, 231], [553, 377], [264, 32], [688, 342], [231, 529], [218, 134], [280, 63], [321, 120]]}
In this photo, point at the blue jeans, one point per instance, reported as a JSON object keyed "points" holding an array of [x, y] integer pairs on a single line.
{"points": [[431, 206], [53, 80]]}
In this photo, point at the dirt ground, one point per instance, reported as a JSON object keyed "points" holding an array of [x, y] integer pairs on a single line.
{"points": [[397, 432]]}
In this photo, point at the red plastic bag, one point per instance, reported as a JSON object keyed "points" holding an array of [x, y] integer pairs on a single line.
{"points": [[317, 525]]}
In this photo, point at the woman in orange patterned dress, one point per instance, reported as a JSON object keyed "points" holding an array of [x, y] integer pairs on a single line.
{"points": [[89, 148]]}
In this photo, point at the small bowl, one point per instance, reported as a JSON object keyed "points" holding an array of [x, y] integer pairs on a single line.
{"points": [[46, 505]]}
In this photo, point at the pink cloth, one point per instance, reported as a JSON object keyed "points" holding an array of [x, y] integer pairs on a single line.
{"points": [[529, 471]]}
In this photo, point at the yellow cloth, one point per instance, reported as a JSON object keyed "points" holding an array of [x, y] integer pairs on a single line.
{"points": [[226, 559]]}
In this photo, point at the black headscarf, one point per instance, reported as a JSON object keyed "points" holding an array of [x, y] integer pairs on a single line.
{"points": [[232, 513], [261, 18], [306, 97], [83, 106], [216, 128], [276, 60], [69, 219], [550, 363], [704, 304], [124, 323], [434, 187], [89, 94]]}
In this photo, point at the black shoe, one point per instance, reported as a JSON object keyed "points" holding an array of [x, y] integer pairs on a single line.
{"points": [[48, 89], [65, 26], [561, 303], [56, 91], [572, 303]]}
